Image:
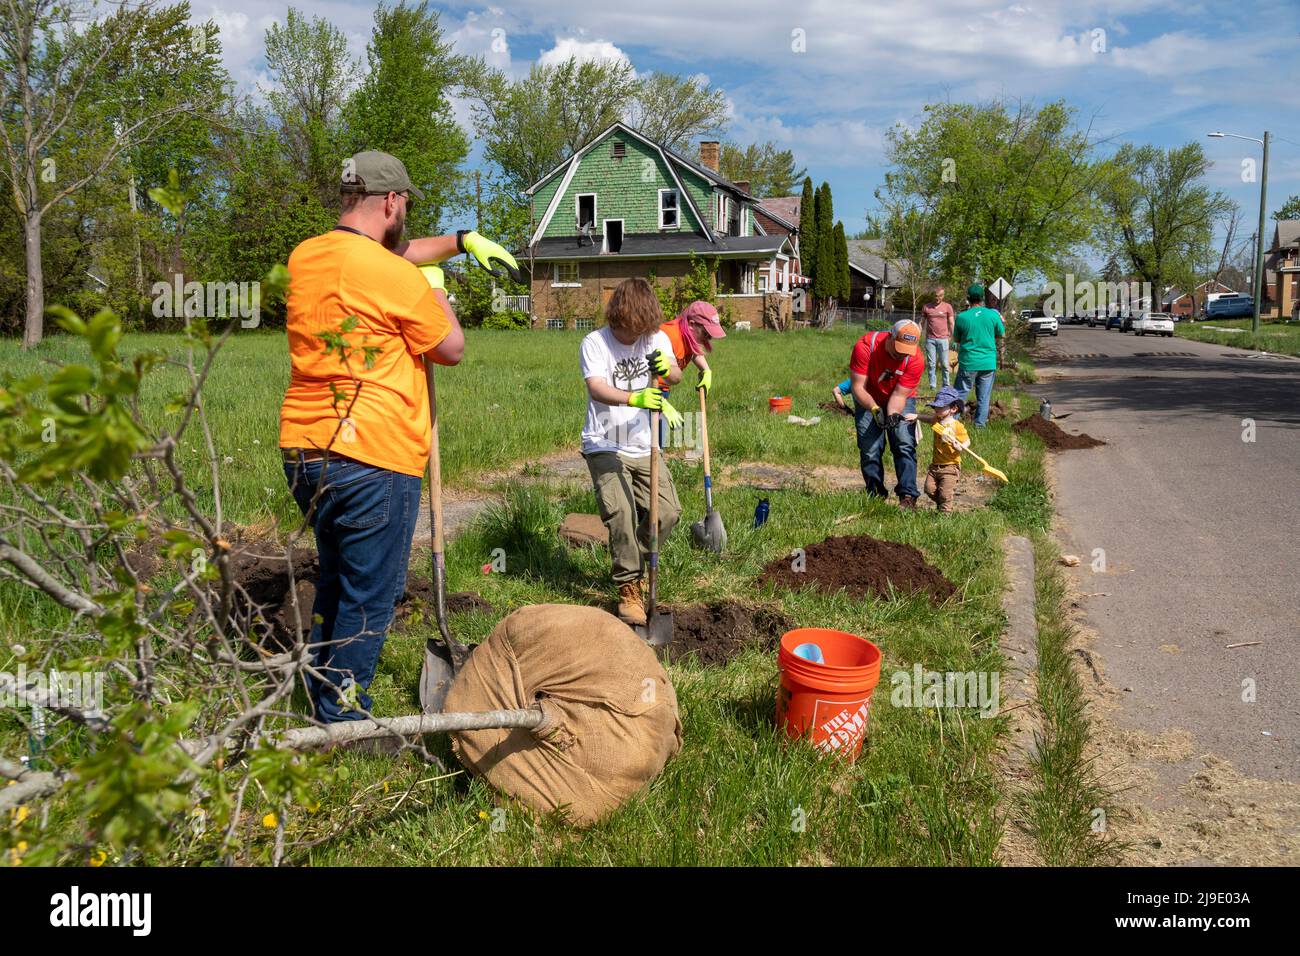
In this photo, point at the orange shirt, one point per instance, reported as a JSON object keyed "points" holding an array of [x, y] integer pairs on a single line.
{"points": [[341, 274], [674, 333]]}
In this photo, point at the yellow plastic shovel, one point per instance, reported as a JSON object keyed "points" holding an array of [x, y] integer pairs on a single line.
{"points": [[988, 469]]}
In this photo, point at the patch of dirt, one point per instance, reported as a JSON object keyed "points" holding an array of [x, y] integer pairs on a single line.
{"points": [[1053, 436], [262, 570], [715, 633], [862, 566], [768, 477], [835, 408]]}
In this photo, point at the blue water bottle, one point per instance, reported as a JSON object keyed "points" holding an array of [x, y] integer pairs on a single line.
{"points": [[760, 513]]}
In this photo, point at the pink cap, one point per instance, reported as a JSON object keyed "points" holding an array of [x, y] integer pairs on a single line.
{"points": [[706, 315]]}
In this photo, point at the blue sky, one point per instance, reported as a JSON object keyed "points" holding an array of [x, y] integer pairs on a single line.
{"points": [[1145, 71]]}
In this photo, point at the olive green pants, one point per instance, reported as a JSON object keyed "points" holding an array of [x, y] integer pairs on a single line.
{"points": [[623, 493]]}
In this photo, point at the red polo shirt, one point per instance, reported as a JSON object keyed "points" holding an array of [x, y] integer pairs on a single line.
{"points": [[884, 372]]}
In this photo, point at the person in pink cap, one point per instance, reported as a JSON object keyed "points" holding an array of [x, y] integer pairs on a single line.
{"points": [[692, 333]]}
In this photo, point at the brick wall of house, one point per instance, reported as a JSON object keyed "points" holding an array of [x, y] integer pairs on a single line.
{"points": [[597, 279]]}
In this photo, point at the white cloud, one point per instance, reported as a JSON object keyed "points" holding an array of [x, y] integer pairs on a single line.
{"points": [[593, 51]]}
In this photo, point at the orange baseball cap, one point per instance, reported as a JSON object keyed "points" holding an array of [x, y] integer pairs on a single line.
{"points": [[907, 336]]}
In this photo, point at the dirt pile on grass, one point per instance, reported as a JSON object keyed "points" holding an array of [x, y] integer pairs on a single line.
{"points": [[715, 633], [862, 566], [262, 570], [1053, 436]]}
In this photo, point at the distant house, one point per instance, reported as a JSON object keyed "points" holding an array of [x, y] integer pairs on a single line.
{"points": [[873, 278], [624, 206], [1178, 302], [1282, 271]]}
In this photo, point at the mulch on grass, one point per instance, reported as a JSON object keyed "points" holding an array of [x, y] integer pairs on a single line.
{"points": [[862, 566], [715, 633], [1053, 436]]}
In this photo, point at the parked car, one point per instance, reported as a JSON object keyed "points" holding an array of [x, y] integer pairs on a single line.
{"points": [[1097, 318], [1126, 323], [1234, 306], [1154, 323], [1077, 318], [1115, 321], [1041, 322]]}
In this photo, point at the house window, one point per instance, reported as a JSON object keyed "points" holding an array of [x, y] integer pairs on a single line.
{"points": [[555, 325], [565, 274], [586, 210], [620, 149], [585, 325], [720, 212], [668, 209], [762, 281], [613, 235]]}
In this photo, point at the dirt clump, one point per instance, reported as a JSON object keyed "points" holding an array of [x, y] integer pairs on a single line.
{"points": [[862, 566], [1053, 436], [835, 407], [715, 633]]}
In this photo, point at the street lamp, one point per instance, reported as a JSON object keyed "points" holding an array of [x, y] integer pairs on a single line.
{"points": [[1259, 253]]}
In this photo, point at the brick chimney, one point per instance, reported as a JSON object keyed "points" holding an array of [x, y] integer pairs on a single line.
{"points": [[710, 153], [742, 185]]}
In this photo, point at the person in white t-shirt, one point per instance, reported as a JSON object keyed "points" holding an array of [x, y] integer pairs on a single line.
{"points": [[619, 363]]}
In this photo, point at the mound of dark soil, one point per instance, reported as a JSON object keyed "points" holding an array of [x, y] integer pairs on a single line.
{"points": [[862, 566], [1053, 436], [715, 633]]}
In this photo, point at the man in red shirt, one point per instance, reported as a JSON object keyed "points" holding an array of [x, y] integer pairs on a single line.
{"points": [[884, 370]]}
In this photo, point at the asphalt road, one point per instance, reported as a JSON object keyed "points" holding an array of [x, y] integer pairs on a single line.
{"points": [[1201, 534]]}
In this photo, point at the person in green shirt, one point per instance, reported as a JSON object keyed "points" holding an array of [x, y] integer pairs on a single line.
{"points": [[977, 334]]}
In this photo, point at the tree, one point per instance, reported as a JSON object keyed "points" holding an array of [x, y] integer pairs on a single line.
{"points": [[1290, 209], [844, 289], [402, 107], [1002, 190], [770, 171], [313, 76], [107, 84], [807, 228], [672, 109], [1159, 213]]}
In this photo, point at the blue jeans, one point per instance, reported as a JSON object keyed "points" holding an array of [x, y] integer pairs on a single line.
{"points": [[363, 520], [983, 382], [871, 452], [936, 354]]}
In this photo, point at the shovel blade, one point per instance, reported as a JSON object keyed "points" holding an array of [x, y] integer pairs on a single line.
{"points": [[442, 662], [657, 631], [999, 475], [709, 534]]}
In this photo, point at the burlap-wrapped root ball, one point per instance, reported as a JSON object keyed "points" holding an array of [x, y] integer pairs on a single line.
{"points": [[611, 712]]}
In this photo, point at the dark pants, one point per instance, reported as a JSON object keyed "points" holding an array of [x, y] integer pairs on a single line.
{"points": [[363, 521], [871, 452]]}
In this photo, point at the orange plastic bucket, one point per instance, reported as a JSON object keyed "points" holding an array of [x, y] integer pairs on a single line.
{"points": [[828, 703], [779, 405]]}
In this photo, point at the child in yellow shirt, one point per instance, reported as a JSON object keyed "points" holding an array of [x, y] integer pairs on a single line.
{"points": [[949, 435]]}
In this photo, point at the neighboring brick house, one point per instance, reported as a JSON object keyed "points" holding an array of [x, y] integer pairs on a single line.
{"points": [[873, 278], [1178, 302], [623, 206], [1282, 271]]}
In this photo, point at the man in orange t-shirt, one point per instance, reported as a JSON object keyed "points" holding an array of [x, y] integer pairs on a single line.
{"points": [[355, 428]]}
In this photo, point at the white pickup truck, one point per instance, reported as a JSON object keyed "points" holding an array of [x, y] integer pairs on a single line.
{"points": [[1154, 323]]}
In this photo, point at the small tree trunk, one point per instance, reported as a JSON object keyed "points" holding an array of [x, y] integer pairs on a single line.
{"points": [[34, 328]]}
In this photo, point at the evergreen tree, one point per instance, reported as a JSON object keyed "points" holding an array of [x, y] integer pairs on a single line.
{"points": [[842, 262], [807, 228], [826, 278]]}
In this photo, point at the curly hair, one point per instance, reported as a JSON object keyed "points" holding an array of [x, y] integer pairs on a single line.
{"points": [[634, 308]]}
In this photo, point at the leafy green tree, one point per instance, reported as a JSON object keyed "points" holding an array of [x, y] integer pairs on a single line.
{"points": [[807, 228], [402, 107], [825, 275], [672, 109], [842, 290], [1289, 210], [770, 171]]}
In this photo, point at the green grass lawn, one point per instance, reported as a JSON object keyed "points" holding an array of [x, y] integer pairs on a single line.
{"points": [[1280, 337], [927, 789]]}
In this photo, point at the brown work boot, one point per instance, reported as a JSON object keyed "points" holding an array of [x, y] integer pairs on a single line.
{"points": [[907, 502], [631, 605]]}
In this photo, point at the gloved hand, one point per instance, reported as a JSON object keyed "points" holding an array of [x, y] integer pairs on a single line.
{"points": [[490, 255], [651, 398], [433, 275], [706, 381], [658, 362], [878, 415], [673, 416], [893, 421]]}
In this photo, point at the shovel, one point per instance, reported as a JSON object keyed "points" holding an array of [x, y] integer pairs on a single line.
{"points": [[988, 469], [442, 658], [658, 628], [708, 532]]}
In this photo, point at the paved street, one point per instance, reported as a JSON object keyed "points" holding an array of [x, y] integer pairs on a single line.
{"points": [[1199, 530]]}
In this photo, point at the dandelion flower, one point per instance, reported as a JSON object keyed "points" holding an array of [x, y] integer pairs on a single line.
{"points": [[270, 822]]}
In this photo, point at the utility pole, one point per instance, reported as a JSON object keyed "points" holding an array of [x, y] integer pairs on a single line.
{"points": [[1259, 261]]}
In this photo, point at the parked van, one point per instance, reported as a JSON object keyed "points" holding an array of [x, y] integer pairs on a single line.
{"points": [[1230, 306]]}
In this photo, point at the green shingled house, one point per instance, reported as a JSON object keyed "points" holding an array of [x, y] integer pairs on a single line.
{"points": [[625, 206]]}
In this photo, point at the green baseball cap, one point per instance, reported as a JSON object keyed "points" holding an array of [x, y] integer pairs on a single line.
{"points": [[376, 174], [976, 289]]}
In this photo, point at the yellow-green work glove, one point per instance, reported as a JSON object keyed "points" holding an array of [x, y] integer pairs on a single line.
{"points": [[490, 255], [658, 362], [673, 416], [706, 381], [651, 398], [433, 275]]}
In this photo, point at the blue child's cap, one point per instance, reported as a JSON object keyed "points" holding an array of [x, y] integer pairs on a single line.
{"points": [[947, 396]]}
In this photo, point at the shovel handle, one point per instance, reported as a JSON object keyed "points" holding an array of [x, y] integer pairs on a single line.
{"points": [[435, 509], [704, 436], [654, 518]]}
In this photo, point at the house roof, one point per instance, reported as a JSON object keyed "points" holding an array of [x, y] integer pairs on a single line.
{"points": [[677, 245], [1287, 233], [783, 209], [866, 256]]}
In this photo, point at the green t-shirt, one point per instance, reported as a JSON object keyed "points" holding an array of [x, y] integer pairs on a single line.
{"points": [[976, 333]]}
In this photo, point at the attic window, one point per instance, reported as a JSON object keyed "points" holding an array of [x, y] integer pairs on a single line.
{"points": [[667, 209], [620, 149]]}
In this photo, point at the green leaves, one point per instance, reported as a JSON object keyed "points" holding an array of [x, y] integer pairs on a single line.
{"points": [[171, 197]]}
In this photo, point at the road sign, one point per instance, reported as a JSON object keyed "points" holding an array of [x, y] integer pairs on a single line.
{"points": [[1001, 288]]}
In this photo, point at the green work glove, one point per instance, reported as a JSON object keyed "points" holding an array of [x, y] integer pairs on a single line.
{"points": [[433, 275], [706, 381], [658, 362], [651, 398], [490, 255], [673, 416]]}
